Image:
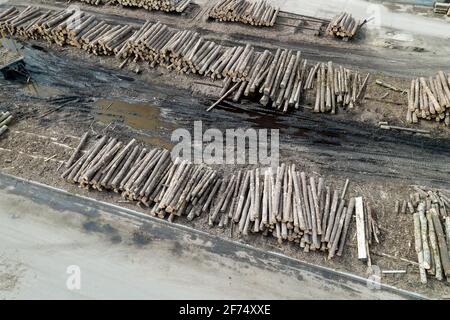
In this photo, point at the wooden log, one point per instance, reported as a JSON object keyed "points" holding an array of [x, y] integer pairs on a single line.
{"points": [[424, 232], [242, 194], [432, 98], [276, 198], [340, 212], [360, 229], [434, 247], [335, 241], [348, 218], [332, 215], [418, 245], [223, 97], [315, 240], [443, 249]]}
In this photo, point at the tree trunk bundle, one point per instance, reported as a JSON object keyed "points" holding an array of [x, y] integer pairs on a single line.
{"points": [[442, 8], [256, 13], [430, 209], [344, 26], [5, 119], [284, 203], [160, 5], [188, 52], [429, 99], [286, 80], [183, 51]]}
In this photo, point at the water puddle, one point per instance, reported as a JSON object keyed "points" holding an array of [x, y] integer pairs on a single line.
{"points": [[141, 116]]}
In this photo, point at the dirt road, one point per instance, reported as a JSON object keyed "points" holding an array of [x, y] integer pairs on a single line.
{"points": [[124, 256]]}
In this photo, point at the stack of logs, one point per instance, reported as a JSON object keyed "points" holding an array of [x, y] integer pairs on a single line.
{"points": [[343, 26], [257, 13], [442, 8], [5, 119], [279, 79], [161, 5], [432, 232], [285, 203], [283, 82], [429, 98]]}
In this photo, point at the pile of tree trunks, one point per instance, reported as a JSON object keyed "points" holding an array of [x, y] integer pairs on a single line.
{"points": [[256, 13], [284, 80], [442, 8], [162, 5], [429, 98], [430, 210], [5, 119], [284, 203], [344, 26], [159, 5], [279, 80]]}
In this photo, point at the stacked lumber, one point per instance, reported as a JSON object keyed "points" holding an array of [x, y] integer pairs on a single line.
{"points": [[429, 98], [343, 26], [284, 203], [5, 119], [284, 80], [431, 231], [256, 13], [281, 80], [442, 8]]}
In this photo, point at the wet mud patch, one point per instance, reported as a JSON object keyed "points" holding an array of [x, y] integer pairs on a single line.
{"points": [[141, 238], [177, 249], [95, 226], [142, 116]]}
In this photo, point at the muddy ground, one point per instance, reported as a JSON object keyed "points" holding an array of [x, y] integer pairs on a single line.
{"points": [[381, 164]]}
